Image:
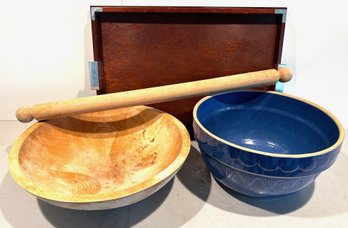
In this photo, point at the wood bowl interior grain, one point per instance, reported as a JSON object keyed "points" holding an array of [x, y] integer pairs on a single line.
{"points": [[99, 156]]}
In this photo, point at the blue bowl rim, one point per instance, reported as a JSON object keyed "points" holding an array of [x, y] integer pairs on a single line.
{"points": [[265, 153]]}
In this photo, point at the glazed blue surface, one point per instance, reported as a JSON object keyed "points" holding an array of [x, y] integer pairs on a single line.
{"points": [[270, 123]]}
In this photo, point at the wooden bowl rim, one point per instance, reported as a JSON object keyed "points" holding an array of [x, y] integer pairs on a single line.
{"points": [[25, 182]]}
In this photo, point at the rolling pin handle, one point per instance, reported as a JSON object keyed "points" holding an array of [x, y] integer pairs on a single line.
{"points": [[285, 74], [24, 115]]}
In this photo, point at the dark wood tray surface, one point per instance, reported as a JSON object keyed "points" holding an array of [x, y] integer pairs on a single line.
{"points": [[139, 47]]}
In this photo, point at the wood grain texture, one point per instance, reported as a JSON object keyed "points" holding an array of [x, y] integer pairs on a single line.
{"points": [[140, 47], [99, 156], [152, 95]]}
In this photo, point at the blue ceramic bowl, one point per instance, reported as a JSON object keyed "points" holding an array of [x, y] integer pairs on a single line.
{"points": [[265, 143]]}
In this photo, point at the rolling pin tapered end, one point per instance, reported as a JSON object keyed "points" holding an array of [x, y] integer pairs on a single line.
{"points": [[23, 114], [285, 74]]}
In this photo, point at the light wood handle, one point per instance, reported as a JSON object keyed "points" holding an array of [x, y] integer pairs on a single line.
{"points": [[152, 95]]}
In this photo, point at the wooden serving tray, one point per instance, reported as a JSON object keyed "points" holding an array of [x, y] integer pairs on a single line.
{"points": [[140, 47]]}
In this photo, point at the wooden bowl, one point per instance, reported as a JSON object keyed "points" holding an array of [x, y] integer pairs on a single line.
{"points": [[100, 160]]}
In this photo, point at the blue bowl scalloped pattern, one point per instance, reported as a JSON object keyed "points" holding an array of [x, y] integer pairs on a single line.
{"points": [[261, 164], [252, 184]]}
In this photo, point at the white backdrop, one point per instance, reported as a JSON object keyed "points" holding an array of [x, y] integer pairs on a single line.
{"points": [[45, 47]]}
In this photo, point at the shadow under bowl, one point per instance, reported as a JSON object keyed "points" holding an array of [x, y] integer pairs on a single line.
{"points": [[265, 143], [100, 160]]}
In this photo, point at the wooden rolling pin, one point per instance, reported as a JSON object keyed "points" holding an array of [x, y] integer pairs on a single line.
{"points": [[152, 95]]}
